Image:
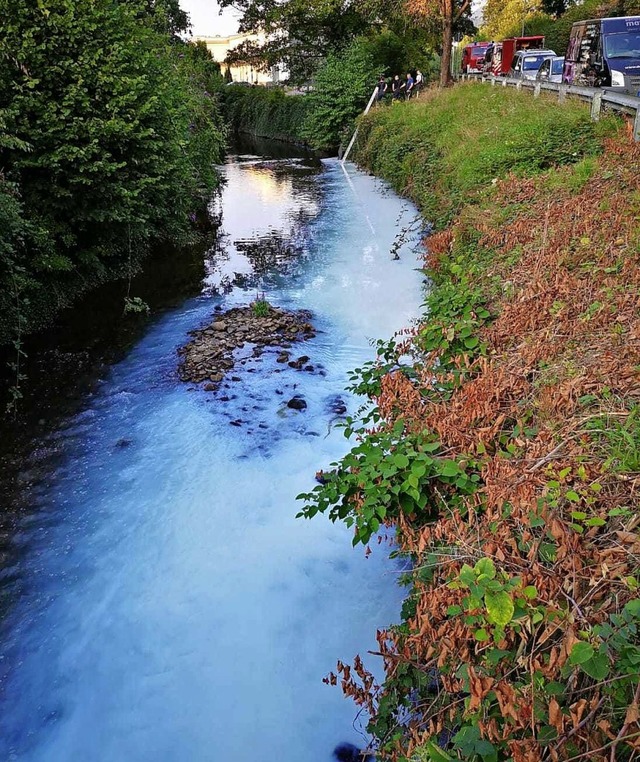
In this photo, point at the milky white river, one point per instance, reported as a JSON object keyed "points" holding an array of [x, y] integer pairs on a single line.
{"points": [[172, 607]]}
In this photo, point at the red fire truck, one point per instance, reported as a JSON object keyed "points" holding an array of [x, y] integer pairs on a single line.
{"points": [[503, 52], [473, 57]]}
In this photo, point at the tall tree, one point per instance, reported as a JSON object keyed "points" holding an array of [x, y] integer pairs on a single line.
{"points": [[505, 18], [445, 13], [555, 7]]}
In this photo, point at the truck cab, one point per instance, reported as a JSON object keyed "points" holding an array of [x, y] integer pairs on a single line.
{"points": [[605, 53], [473, 57], [512, 45], [526, 63]]}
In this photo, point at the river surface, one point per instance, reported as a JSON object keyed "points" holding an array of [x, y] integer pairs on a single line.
{"points": [[162, 602]]}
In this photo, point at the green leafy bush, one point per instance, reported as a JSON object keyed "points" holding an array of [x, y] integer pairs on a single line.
{"points": [[110, 134], [342, 87], [265, 112]]}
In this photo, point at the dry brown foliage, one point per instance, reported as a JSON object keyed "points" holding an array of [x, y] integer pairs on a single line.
{"points": [[567, 326]]}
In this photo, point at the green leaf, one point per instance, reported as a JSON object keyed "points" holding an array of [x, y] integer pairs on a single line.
{"points": [[481, 635], [580, 653], [449, 468], [596, 667], [495, 655], [555, 689], [467, 575], [633, 608], [401, 460], [485, 566], [500, 607], [436, 754], [530, 592]]}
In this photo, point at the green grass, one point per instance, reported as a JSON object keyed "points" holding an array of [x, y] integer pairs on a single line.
{"points": [[261, 308], [446, 150]]}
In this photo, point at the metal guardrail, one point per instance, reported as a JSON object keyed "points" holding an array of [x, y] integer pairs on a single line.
{"points": [[599, 98]]}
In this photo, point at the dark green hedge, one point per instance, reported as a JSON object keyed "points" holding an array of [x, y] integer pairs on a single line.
{"points": [[109, 135], [265, 112]]}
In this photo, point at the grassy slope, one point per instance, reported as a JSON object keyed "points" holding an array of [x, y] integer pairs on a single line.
{"points": [[521, 628], [443, 150]]}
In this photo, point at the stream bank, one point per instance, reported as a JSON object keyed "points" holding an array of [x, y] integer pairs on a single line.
{"points": [[505, 452]]}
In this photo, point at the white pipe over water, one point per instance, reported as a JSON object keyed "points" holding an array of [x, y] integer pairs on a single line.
{"points": [[355, 134]]}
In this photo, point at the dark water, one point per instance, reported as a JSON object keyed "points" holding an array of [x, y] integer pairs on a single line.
{"points": [[161, 600]]}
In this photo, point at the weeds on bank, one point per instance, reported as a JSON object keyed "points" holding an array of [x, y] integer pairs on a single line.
{"points": [[504, 454]]}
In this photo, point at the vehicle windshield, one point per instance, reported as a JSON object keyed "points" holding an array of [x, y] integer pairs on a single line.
{"points": [[622, 45], [531, 63], [557, 66], [478, 52]]}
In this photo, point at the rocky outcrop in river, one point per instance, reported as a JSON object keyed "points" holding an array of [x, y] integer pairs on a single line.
{"points": [[209, 356]]}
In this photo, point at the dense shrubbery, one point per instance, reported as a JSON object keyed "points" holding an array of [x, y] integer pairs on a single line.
{"points": [[265, 112], [108, 135], [342, 86]]}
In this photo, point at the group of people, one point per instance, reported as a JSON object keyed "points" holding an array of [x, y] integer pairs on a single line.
{"points": [[400, 89]]}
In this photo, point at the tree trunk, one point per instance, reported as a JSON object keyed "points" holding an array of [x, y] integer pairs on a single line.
{"points": [[447, 41]]}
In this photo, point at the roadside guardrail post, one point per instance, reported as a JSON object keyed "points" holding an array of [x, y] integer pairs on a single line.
{"points": [[636, 126], [536, 90], [519, 85], [493, 82], [596, 105], [562, 93]]}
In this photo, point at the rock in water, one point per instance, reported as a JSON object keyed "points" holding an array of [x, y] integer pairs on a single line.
{"points": [[337, 406], [297, 403], [347, 752], [210, 353]]}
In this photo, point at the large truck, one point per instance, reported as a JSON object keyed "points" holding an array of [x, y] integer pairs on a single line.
{"points": [[504, 52], [605, 53], [473, 57]]}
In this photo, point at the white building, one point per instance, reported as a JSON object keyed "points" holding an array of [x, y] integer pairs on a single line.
{"points": [[219, 47]]}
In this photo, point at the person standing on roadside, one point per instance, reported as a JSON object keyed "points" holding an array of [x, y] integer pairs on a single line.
{"points": [[382, 88], [419, 81], [408, 85], [396, 88]]}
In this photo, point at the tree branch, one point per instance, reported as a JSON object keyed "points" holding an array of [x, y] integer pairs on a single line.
{"points": [[463, 8]]}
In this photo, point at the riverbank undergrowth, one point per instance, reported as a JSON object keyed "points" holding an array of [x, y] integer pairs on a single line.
{"points": [[265, 113], [504, 451]]}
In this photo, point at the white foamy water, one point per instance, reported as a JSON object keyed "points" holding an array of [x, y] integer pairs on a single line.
{"points": [[173, 607]]}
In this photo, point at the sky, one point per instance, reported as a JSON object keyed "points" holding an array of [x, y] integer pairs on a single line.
{"points": [[206, 19]]}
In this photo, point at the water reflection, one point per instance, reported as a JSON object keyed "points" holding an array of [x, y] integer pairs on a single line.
{"points": [[268, 205]]}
